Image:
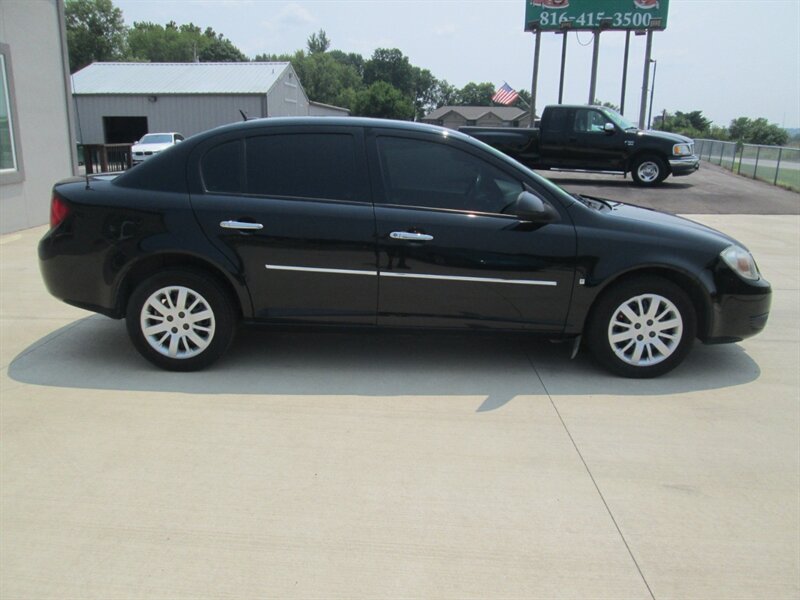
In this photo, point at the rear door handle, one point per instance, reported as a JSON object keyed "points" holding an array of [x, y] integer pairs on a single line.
{"points": [[242, 225], [409, 236]]}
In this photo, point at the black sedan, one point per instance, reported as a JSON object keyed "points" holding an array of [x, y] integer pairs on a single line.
{"points": [[371, 223]]}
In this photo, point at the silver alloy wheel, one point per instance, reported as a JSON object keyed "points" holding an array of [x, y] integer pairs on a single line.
{"points": [[645, 330], [648, 171], [177, 322]]}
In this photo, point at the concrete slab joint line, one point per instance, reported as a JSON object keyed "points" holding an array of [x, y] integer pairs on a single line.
{"points": [[591, 476]]}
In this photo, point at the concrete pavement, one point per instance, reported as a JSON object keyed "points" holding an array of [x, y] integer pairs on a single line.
{"points": [[337, 465]]}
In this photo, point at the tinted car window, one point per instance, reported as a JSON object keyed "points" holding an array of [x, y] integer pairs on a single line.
{"points": [[222, 168], [558, 120], [435, 175], [313, 165], [589, 121]]}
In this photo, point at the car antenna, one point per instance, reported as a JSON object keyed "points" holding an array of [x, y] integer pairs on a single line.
{"points": [[244, 115], [80, 131]]}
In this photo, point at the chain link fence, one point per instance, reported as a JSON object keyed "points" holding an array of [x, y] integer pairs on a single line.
{"points": [[778, 165]]}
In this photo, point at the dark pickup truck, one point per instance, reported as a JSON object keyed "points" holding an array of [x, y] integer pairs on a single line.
{"points": [[593, 138]]}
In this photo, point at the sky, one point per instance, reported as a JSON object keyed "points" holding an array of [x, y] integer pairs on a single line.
{"points": [[728, 58]]}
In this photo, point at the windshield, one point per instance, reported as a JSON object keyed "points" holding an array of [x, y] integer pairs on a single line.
{"points": [[618, 119], [156, 138]]}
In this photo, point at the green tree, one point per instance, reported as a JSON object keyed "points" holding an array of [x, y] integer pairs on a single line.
{"points": [[318, 43], [610, 105], [757, 131], [185, 43], [392, 67], [445, 94], [351, 58], [425, 88], [476, 94], [383, 100], [691, 124], [324, 78], [95, 32]]}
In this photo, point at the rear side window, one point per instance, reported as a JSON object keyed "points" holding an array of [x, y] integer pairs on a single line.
{"points": [[303, 165], [222, 168], [558, 120]]}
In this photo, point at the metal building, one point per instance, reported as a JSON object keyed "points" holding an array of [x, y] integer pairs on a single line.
{"points": [[37, 140], [120, 102]]}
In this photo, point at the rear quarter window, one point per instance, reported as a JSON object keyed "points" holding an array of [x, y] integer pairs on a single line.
{"points": [[221, 168]]}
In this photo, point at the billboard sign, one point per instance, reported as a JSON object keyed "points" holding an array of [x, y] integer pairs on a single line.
{"points": [[619, 15]]}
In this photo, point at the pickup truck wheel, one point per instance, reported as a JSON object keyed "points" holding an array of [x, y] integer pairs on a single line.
{"points": [[180, 320], [649, 170], [642, 328]]}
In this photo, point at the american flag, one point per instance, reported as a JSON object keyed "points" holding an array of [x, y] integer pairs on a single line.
{"points": [[505, 95]]}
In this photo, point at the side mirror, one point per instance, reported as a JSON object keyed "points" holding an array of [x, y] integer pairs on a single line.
{"points": [[530, 207], [609, 128]]}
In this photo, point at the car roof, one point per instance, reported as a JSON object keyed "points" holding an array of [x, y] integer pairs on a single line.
{"points": [[325, 122], [159, 174]]}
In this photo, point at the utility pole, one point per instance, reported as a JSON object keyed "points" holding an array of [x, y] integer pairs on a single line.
{"points": [[595, 56], [625, 72], [652, 93]]}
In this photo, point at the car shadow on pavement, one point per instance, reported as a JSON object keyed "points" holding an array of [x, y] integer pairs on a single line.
{"points": [[95, 353]]}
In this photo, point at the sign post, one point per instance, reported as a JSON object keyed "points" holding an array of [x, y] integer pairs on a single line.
{"points": [[535, 82], [595, 16], [645, 80]]}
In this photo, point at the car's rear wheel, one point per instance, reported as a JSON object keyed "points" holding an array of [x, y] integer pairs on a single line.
{"points": [[642, 328], [180, 320], [649, 170]]}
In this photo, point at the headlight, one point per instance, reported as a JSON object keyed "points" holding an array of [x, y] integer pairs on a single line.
{"points": [[741, 261], [682, 150]]}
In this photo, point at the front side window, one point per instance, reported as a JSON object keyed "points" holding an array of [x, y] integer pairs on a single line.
{"points": [[435, 175], [9, 160], [302, 165], [589, 121]]}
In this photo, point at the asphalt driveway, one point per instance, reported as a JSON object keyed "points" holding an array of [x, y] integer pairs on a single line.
{"points": [[710, 191]]}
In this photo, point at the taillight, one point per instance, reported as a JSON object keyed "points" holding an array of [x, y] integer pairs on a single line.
{"points": [[58, 211]]}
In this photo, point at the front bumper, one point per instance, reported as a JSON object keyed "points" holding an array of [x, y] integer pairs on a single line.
{"points": [[684, 166], [737, 316]]}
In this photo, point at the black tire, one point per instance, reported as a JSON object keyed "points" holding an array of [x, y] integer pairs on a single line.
{"points": [[655, 340], [181, 340], [648, 170]]}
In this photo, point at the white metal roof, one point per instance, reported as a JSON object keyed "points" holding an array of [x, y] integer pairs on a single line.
{"points": [[178, 78]]}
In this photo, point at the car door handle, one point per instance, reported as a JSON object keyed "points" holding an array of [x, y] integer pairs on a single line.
{"points": [[413, 237], [241, 225]]}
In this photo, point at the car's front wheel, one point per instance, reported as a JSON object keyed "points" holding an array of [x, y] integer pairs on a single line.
{"points": [[649, 170], [642, 328], [180, 320]]}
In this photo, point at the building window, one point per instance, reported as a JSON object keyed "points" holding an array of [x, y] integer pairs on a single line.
{"points": [[10, 167]]}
